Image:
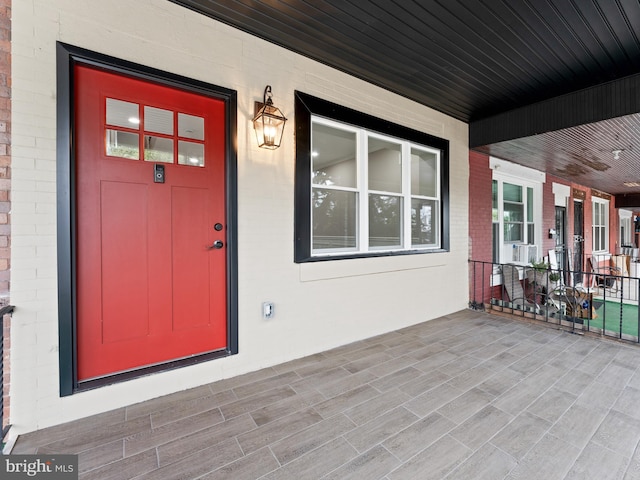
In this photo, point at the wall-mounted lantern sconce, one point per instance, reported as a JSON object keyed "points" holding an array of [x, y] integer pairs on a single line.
{"points": [[268, 122]]}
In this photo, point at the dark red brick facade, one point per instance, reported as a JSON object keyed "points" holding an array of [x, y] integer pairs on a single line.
{"points": [[479, 207], [479, 226], [480, 221]]}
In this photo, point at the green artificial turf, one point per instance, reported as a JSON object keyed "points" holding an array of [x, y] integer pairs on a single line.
{"points": [[609, 312]]}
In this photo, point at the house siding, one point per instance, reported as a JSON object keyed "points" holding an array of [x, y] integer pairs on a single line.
{"points": [[5, 197], [318, 306]]}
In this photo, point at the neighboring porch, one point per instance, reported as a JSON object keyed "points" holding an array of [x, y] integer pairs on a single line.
{"points": [[601, 301], [467, 395]]}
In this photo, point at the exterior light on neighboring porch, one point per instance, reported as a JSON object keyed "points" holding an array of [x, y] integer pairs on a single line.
{"points": [[268, 122]]}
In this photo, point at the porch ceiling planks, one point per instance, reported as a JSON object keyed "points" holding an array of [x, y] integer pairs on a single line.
{"points": [[475, 60]]}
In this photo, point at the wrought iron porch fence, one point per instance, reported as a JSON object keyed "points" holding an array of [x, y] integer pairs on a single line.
{"points": [[604, 303]]}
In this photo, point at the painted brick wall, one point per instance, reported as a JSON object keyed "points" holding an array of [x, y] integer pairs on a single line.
{"points": [[5, 188], [320, 305]]}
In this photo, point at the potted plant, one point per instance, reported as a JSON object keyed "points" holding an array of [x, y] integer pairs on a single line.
{"points": [[536, 273], [541, 277], [554, 280]]}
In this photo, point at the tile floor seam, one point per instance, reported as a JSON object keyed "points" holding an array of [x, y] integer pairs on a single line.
{"points": [[524, 407], [283, 465], [524, 410], [590, 436], [553, 423], [361, 455], [604, 447], [444, 434], [595, 441], [577, 457], [109, 463], [197, 429], [280, 464], [497, 447], [557, 438], [401, 463], [235, 437], [634, 455], [243, 457], [461, 464], [612, 404], [157, 457], [408, 460]]}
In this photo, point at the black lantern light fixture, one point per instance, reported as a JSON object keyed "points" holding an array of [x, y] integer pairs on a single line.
{"points": [[268, 122]]}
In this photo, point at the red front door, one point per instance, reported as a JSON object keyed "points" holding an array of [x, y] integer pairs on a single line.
{"points": [[151, 262]]}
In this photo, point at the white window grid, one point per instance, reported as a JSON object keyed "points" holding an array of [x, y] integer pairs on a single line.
{"points": [[362, 192]]}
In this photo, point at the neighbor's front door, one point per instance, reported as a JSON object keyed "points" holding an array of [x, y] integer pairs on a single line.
{"points": [[151, 263]]}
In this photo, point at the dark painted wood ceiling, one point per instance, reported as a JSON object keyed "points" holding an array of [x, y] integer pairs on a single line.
{"points": [[475, 60]]}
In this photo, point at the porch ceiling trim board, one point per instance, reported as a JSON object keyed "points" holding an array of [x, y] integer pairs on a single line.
{"points": [[594, 104]]}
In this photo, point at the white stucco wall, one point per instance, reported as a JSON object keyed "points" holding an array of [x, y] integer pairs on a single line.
{"points": [[318, 306]]}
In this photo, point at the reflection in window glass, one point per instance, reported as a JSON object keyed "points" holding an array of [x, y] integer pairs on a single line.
{"points": [[600, 225], [385, 166], [424, 173], [158, 120], [367, 192], [513, 232], [424, 222], [158, 149], [511, 192], [494, 201], [333, 156], [513, 222], [529, 204], [531, 227], [122, 144], [190, 126], [513, 213], [122, 114], [334, 219], [385, 221], [190, 153]]}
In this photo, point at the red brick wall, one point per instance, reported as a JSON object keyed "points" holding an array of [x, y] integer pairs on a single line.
{"points": [[548, 216], [479, 207], [479, 226], [614, 227], [5, 185]]}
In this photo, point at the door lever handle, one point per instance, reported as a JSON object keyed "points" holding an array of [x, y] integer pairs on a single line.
{"points": [[218, 244]]}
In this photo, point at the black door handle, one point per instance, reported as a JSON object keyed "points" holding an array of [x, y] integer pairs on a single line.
{"points": [[218, 244]]}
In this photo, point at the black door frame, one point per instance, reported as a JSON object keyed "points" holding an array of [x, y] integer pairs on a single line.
{"points": [[67, 57], [578, 240]]}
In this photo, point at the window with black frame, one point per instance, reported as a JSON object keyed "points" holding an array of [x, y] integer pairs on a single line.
{"points": [[365, 186]]}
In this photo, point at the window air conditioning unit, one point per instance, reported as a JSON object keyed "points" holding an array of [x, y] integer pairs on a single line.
{"points": [[525, 253]]}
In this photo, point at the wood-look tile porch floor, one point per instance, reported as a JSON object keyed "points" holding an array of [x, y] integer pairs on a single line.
{"points": [[465, 396]]}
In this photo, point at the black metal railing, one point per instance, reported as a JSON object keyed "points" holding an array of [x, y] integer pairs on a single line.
{"points": [[7, 309], [605, 302]]}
